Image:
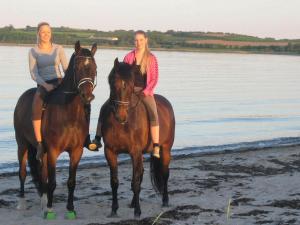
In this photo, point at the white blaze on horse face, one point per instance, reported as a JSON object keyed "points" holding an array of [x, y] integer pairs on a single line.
{"points": [[86, 62]]}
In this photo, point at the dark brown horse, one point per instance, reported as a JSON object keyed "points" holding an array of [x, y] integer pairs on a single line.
{"points": [[65, 124], [126, 129]]}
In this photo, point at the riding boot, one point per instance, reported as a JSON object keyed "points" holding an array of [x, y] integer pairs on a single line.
{"points": [[96, 143], [37, 110], [90, 145], [39, 151]]}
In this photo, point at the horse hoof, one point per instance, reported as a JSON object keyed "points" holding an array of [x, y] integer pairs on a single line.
{"points": [[113, 215], [137, 215], [49, 215], [71, 215], [165, 204]]}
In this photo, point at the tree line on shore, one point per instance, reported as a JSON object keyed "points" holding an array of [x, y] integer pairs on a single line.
{"points": [[167, 40]]}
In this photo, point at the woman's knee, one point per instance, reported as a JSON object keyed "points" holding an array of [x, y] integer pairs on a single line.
{"points": [[152, 110]]}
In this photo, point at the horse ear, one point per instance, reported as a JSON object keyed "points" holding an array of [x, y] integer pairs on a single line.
{"points": [[77, 46], [116, 63], [94, 49]]}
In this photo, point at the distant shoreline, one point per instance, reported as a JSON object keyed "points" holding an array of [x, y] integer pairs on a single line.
{"points": [[202, 50], [179, 41]]}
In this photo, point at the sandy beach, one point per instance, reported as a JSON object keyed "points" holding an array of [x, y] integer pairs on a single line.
{"points": [[240, 188]]}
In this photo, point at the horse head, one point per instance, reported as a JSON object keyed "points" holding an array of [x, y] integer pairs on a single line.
{"points": [[121, 82], [85, 71]]}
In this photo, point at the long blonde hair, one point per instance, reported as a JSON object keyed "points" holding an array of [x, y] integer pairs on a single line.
{"points": [[38, 31], [146, 56]]}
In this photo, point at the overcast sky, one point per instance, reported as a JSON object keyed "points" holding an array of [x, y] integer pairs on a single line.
{"points": [[263, 18]]}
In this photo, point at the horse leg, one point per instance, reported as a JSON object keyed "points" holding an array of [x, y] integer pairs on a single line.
{"points": [[52, 158], [75, 157], [133, 201], [111, 158], [137, 166], [44, 182], [39, 174], [22, 157], [166, 157]]}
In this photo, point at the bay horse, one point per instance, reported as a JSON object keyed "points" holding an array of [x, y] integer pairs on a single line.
{"points": [[126, 129], [65, 125]]}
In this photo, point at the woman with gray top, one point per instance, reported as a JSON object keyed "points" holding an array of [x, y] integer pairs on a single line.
{"points": [[44, 65]]}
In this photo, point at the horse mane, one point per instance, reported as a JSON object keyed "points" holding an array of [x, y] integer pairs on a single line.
{"points": [[124, 70], [69, 76], [66, 91], [70, 66]]}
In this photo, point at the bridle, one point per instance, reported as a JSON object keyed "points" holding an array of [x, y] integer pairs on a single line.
{"points": [[84, 80], [121, 103], [125, 104]]}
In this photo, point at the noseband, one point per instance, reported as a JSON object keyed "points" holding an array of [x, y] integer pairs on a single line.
{"points": [[122, 103]]}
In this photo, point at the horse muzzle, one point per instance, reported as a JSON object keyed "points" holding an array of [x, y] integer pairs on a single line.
{"points": [[121, 115], [122, 121], [87, 98]]}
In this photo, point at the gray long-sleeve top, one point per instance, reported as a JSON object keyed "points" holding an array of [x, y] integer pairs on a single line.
{"points": [[45, 66]]}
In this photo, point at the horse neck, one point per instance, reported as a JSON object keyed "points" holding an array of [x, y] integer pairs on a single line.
{"points": [[68, 82], [74, 105], [75, 112], [77, 107]]}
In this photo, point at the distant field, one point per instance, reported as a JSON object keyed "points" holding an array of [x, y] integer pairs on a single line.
{"points": [[169, 40], [237, 43]]}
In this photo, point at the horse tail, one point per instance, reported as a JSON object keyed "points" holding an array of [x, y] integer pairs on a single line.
{"points": [[156, 174], [35, 169]]}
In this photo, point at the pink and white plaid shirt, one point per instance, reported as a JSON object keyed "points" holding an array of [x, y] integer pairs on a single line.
{"points": [[152, 71]]}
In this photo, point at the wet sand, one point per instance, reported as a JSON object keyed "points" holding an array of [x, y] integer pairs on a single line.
{"points": [[241, 188]]}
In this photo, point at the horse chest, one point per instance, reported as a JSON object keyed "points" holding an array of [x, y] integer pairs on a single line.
{"points": [[125, 138]]}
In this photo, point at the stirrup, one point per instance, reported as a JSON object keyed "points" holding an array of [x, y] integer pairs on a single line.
{"points": [[94, 145], [89, 144]]}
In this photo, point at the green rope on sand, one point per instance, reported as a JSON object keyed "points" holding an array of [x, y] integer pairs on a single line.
{"points": [[157, 218], [50, 215], [71, 215]]}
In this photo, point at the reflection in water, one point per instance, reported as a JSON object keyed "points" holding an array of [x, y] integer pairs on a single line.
{"points": [[218, 99]]}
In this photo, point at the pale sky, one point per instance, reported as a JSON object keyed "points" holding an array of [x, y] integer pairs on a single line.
{"points": [[263, 18]]}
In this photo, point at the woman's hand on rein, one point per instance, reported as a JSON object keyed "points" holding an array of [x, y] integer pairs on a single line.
{"points": [[49, 87]]}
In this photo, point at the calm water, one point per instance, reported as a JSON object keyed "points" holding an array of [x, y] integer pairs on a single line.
{"points": [[221, 101]]}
